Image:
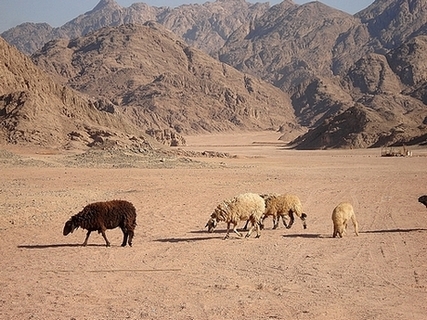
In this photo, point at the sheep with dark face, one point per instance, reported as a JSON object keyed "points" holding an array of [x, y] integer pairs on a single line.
{"points": [[100, 216], [248, 206], [423, 200]]}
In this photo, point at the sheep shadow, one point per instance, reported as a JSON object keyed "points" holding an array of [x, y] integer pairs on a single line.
{"points": [[215, 231], [394, 230], [176, 240], [209, 236], [60, 245], [306, 235]]}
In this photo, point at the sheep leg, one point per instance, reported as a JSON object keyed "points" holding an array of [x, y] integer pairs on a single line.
{"points": [[355, 225], [125, 238], [261, 225], [87, 238], [291, 221], [258, 234], [237, 232], [246, 225], [131, 233], [276, 222], [344, 228], [261, 222], [283, 220], [254, 225], [250, 231], [258, 230], [227, 235], [127, 234], [107, 243]]}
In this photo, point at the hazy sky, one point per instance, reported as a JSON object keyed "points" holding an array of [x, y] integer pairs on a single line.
{"points": [[58, 12]]}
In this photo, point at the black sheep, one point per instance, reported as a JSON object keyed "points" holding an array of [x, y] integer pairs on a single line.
{"points": [[100, 216], [423, 200]]}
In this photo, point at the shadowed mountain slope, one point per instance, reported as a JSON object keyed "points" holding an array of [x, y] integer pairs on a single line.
{"points": [[161, 83], [36, 111]]}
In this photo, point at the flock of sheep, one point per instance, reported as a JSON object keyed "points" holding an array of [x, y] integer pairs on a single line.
{"points": [[254, 208], [250, 207]]}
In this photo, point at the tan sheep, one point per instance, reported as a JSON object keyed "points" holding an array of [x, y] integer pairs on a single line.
{"points": [[284, 206], [340, 217], [247, 206]]}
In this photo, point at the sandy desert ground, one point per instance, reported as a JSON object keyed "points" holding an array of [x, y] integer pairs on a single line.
{"points": [[176, 270]]}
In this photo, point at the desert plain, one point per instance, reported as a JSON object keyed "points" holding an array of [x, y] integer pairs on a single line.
{"points": [[177, 270]]}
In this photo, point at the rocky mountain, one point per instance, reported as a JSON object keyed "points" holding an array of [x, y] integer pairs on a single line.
{"points": [[389, 107], [162, 83], [353, 81], [336, 67], [36, 111], [288, 37], [205, 26], [390, 23]]}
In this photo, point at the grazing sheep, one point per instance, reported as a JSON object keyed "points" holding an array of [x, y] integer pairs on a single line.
{"points": [[340, 217], [423, 200], [100, 216], [285, 205], [247, 206]]}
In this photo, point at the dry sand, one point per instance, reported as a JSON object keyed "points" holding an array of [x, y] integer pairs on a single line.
{"points": [[176, 270]]}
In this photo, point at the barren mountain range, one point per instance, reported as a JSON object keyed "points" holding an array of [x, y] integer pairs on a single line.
{"points": [[36, 111], [346, 81]]}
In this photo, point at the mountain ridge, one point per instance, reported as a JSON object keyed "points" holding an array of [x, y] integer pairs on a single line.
{"points": [[329, 64]]}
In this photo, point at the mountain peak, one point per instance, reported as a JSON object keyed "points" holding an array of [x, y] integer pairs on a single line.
{"points": [[102, 4]]}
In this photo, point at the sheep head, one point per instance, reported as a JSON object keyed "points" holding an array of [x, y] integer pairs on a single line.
{"points": [[69, 227], [211, 224], [423, 200], [304, 223]]}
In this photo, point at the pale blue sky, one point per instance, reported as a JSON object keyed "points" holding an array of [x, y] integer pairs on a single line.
{"points": [[58, 12]]}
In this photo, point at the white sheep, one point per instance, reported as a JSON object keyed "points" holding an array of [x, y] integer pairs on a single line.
{"points": [[340, 217], [247, 206], [284, 206]]}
